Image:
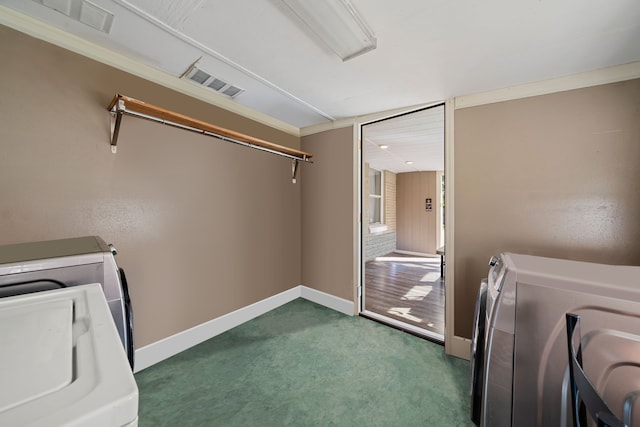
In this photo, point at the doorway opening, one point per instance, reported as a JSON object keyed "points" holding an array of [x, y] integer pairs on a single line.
{"points": [[402, 235]]}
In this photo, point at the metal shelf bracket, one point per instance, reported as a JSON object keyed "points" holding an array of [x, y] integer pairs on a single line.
{"points": [[294, 170], [116, 118]]}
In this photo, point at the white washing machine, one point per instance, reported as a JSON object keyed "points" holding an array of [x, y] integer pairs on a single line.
{"points": [[525, 375], [57, 264], [62, 362]]}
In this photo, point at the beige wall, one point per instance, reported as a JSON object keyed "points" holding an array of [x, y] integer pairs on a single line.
{"points": [[417, 229], [554, 175], [203, 227], [328, 250]]}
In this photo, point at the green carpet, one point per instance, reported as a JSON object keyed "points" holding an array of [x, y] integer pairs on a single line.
{"points": [[305, 365]]}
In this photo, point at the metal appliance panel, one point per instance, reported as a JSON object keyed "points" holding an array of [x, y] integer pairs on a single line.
{"points": [[526, 370], [541, 393], [478, 349], [61, 248], [496, 410]]}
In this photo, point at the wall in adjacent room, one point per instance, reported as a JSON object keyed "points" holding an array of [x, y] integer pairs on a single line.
{"points": [[379, 243], [417, 228], [390, 202], [554, 175], [328, 251], [203, 227]]}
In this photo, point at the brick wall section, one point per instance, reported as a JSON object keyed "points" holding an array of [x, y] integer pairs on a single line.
{"points": [[376, 245]]}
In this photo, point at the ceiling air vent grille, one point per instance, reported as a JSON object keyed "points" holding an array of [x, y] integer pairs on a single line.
{"points": [[84, 11], [203, 78]]}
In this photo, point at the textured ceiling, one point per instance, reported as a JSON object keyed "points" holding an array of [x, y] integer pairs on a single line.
{"points": [[417, 137]]}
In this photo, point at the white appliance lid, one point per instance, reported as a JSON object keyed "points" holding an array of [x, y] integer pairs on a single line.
{"points": [[63, 362], [37, 345]]}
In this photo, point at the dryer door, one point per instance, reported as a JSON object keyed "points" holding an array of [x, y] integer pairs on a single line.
{"points": [[477, 353], [128, 314]]}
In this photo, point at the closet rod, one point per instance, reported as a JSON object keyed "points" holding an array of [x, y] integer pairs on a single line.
{"points": [[121, 105]]}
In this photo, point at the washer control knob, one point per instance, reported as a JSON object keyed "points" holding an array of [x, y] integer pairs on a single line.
{"points": [[493, 261], [113, 249]]}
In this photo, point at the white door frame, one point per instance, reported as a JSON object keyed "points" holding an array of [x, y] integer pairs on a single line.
{"points": [[454, 345]]}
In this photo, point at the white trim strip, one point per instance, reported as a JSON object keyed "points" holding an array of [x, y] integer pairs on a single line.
{"points": [[323, 127], [449, 189], [160, 350], [459, 347], [364, 119], [331, 301], [576, 81], [170, 346]]}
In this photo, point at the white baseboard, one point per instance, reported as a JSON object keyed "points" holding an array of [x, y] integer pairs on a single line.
{"points": [[160, 350], [458, 347], [331, 301]]}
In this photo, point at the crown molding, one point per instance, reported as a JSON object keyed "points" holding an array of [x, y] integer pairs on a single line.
{"points": [[323, 127], [58, 37], [560, 84], [364, 119], [601, 76]]}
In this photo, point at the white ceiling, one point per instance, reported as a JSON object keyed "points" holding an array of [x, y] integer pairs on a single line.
{"points": [[427, 50], [417, 137]]}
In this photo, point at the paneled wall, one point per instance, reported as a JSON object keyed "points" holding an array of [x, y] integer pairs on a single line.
{"points": [[390, 196], [417, 228]]}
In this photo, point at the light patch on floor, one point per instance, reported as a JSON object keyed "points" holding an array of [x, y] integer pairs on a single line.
{"points": [[404, 313], [417, 293], [431, 277]]}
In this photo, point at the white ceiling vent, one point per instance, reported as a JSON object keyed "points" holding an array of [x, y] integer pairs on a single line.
{"points": [[84, 11], [95, 16], [203, 78]]}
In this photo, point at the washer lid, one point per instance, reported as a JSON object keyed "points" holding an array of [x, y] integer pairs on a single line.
{"points": [[63, 362], [37, 350]]}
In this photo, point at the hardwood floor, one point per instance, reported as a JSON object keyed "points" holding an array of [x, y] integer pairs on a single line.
{"points": [[407, 288]]}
